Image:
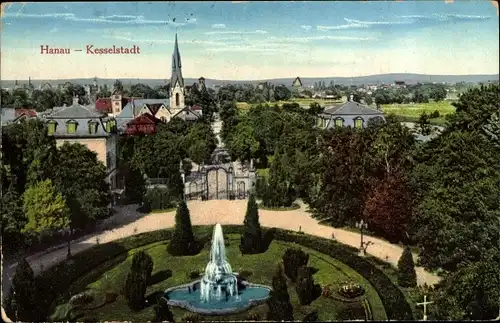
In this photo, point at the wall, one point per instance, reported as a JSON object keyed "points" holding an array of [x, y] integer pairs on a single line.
{"points": [[97, 145], [349, 120]]}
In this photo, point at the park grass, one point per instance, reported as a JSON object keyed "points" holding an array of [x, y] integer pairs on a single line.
{"points": [[262, 266], [412, 112]]}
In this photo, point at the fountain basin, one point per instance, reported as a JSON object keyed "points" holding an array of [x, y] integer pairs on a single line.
{"points": [[249, 296]]}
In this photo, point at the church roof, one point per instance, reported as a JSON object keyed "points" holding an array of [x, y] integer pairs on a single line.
{"points": [[351, 108], [176, 66], [134, 106]]}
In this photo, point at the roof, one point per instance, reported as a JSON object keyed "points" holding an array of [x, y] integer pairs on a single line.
{"points": [[144, 118], [176, 66], [297, 82], [82, 129], [8, 115], [154, 107], [351, 108], [26, 112], [74, 111], [103, 105], [132, 108], [196, 108]]}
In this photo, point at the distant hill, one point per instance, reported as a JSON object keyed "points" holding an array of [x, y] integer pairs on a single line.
{"points": [[306, 81]]}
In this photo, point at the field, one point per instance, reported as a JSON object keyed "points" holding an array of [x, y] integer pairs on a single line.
{"points": [[412, 112], [262, 267], [302, 102]]}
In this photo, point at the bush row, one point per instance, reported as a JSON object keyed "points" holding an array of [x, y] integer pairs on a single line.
{"points": [[56, 280]]}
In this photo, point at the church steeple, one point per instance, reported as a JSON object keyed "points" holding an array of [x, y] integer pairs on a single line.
{"points": [[176, 66]]}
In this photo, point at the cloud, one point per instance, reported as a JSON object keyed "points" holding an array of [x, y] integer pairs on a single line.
{"points": [[54, 30], [218, 26], [112, 19], [228, 32], [445, 17], [315, 38], [306, 27]]}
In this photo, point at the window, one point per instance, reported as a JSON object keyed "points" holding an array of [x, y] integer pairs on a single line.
{"points": [[358, 123], [117, 103], [93, 127], [177, 99], [339, 122], [71, 127], [164, 119], [110, 125], [52, 127]]}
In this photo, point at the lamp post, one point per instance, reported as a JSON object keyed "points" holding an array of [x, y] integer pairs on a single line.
{"points": [[361, 225], [424, 303]]}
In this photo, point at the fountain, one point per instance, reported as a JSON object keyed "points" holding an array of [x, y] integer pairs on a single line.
{"points": [[217, 292], [218, 276]]}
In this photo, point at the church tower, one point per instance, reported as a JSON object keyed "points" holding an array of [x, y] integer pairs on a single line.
{"points": [[176, 81]]}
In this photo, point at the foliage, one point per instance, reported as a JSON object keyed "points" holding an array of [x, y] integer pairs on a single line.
{"points": [[191, 318], [388, 208], [438, 92], [162, 311], [22, 303], [135, 185], [251, 240], [293, 259], [407, 277], [279, 191], [305, 286], [200, 142], [45, 208], [182, 243], [311, 317], [13, 219], [351, 290], [280, 308], [80, 177], [160, 199], [137, 280]]}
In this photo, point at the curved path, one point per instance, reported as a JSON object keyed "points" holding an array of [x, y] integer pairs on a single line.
{"points": [[212, 212]]}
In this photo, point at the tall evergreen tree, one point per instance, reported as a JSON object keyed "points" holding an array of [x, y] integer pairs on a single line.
{"points": [[137, 280], [293, 259], [407, 277], [21, 303], [251, 240], [280, 308], [162, 311], [305, 285], [182, 243]]}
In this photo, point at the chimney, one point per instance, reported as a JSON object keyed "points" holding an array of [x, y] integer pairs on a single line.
{"points": [[351, 97], [75, 99]]}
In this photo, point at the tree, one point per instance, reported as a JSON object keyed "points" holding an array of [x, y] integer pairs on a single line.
{"points": [[80, 177], [368, 100], [242, 143], [282, 93], [293, 259], [305, 285], [137, 280], [407, 277], [438, 93], [135, 185], [182, 242], [45, 208], [200, 142], [21, 302], [251, 240], [13, 219], [388, 208], [280, 308], [424, 125], [118, 86], [280, 189], [162, 311]]}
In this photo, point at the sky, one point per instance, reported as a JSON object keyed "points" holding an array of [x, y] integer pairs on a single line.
{"points": [[244, 40]]}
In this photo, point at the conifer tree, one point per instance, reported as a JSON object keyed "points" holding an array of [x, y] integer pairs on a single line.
{"points": [[162, 311], [182, 243], [407, 277], [137, 280], [21, 303], [251, 240], [305, 285], [280, 308]]}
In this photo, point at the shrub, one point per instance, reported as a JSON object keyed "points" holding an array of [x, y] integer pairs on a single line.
{"points": [[182, 243], [21, 302], [81, 299], [435, 114], [191, 317], [245, 274], [407, 277], [251, 240], [142, 262], [194, 274], [351, 290], [160, 199], [293, 259], [111, 296], [326, 291], [305, 285], [137, 280], [280, 308], [162, 311]]}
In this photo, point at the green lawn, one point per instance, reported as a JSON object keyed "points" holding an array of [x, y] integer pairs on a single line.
{"points": [[302, 102], [112, 276], [415, 110]]}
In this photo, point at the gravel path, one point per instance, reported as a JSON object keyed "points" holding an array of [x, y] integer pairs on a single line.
{"points": [[223, 212]]}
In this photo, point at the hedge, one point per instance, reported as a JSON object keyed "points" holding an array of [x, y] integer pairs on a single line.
{"points": [[56, 280]]}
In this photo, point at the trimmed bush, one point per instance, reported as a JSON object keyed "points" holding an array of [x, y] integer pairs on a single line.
{"points": [[305, 285], [251, 240], [293, 259], [135, 289], [160, 199], [162, 311], [311, 316], [194, 274], [142, 263], [191, 317], [182, 243], [245, 274], [21, 302], [252, 316], [407, 277], [280, 308]]}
